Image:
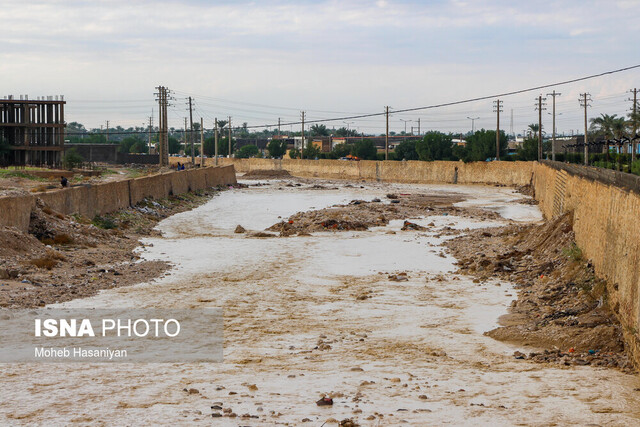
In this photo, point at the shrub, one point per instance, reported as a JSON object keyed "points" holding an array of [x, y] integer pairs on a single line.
{"points": [[72, 159], [104, 222]]}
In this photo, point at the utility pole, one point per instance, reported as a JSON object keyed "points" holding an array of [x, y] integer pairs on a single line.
{"points": [[473, 122], [163, 137], [634, 121], [193, 153], [229, 156], [278, 126], [497, 108], [215, 139], [511, 125], [160, 119], [107, 130], [386, 138], [553, 133], [302, 141], [584, 102], [185, 134], [540, 107], [418, 126], [150, 129], [201, 142]]}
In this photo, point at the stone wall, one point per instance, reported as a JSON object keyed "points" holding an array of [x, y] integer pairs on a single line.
{"points": [[91, 200]]}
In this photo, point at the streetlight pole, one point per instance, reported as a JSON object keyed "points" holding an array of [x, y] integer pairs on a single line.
{"points": [[405, 125], [473, 122]]}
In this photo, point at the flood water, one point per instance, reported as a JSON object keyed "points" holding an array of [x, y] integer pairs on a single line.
{"points": [[297, 327]]}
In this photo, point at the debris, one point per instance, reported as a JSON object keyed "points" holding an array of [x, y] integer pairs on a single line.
{"points": [[412, 226], [325, 401]]}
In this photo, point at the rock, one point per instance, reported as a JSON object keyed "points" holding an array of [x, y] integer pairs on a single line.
{"points": [[423, 397], [392, 196], [216, 407], [412, 226], [194, 391], [239, 229], [518, 355], [325, 401]]}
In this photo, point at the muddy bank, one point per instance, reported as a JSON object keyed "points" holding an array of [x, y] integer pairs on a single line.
{"points": [[64, 257], [561, 308]]}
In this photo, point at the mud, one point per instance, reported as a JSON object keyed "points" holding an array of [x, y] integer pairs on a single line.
{"points": [[378, 321], [561, 307], [67, 257]]}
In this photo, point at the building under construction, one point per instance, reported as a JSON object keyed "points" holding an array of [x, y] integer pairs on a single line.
{"points": [[33, 130]]}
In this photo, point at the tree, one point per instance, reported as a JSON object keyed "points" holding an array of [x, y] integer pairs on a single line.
{"points": [[341, 150], [319, 130], [406, 150], [435, 146], [127, 143], [343, 131], [529, 150], [277, 148], [72, 159], [174, 145], [534, 127], [603, 127], [365, 149], [247, 151], [139, 147], [196, 149], [481, 146]]}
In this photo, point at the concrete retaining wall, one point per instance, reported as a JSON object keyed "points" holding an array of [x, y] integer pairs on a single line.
{"points": [[505, 173], [606, 223], [91, 200]]}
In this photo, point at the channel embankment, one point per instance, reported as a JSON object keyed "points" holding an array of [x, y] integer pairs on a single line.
{"points": [[91, 200]]}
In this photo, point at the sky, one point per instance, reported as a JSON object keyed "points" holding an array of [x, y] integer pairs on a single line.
{"points": [[258, 61]]}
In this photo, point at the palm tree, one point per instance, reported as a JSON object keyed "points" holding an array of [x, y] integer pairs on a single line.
{"points": [[603, 126], [534, 127]]}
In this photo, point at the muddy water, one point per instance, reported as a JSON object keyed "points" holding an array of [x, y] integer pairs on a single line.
{"points": [[313, 316]]}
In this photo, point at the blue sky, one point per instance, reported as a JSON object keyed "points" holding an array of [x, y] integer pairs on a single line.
{"points": [[326, 57]]}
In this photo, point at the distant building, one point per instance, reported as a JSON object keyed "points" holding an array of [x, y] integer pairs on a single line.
{"points": [[34, 129]]}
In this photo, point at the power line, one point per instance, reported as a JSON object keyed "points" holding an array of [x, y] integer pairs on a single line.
{"points": [[465, 101]]}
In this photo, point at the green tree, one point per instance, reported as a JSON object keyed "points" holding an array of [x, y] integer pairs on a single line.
{"points": [[534, 128], [481, 146], [529, 150], [174, 145], [434, 146], [247, 151], [406, 150], [277, 148], [139, 147], [365, 149], [127, 143], [319, 130], [341, 150], [72, 159]]}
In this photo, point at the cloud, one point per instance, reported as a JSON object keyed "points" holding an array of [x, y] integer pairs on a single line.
{"points": [[360, 54]]}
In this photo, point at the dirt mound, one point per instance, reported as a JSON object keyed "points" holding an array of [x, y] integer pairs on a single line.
{"points": [[65, 257], [266, 174], [13, 242], [561, 304], [360, 215]]}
